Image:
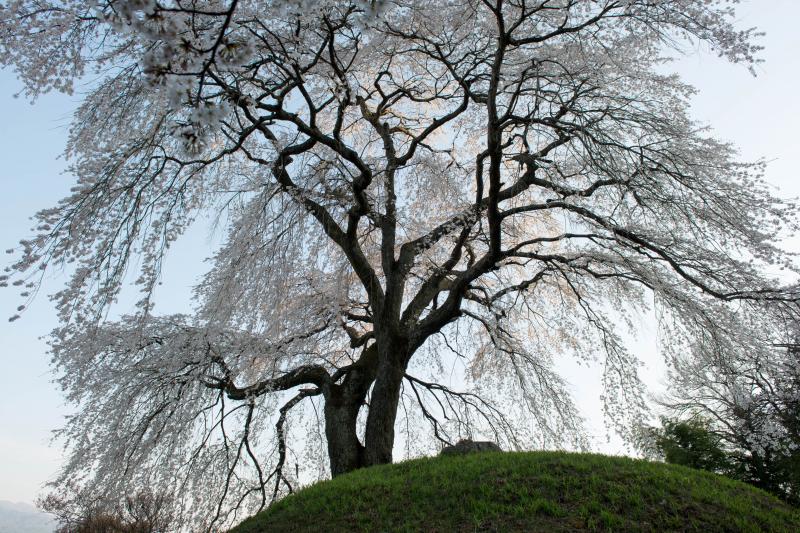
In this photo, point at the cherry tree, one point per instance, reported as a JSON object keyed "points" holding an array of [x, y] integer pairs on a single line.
{"points": [[406, 188], [752, 405]]}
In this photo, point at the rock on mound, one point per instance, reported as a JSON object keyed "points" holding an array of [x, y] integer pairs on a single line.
{"points": [[470, 446]]}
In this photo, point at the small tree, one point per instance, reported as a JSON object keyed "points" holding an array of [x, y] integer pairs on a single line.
{"points": [[408, 187], [691, 443], [753, 410], [79, 512]]}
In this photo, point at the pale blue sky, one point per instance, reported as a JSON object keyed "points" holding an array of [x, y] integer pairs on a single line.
{"points": [[760, 115]]}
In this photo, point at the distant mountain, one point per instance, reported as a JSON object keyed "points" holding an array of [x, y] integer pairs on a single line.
{"points": [[24, 518]]}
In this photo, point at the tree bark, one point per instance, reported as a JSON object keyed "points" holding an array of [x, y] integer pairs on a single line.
{"points": [[345, 452], [384, 364], [342, 405], [379, 435]]}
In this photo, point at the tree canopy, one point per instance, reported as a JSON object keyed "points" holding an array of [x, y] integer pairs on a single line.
{"points": [[407, 188]]}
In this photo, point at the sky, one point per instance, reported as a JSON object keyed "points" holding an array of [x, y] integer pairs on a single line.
{"points": [[758, 114]]}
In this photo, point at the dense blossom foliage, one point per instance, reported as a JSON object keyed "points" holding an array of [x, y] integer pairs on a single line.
{"points": [[426, 203]]}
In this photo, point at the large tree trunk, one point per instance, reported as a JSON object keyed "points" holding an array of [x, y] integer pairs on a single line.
{"points": [[345, 452], [379, 435], [342, 404], [384, 364]]}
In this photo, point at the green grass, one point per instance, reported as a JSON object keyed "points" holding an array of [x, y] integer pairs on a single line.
{"points": [[540, 491]]}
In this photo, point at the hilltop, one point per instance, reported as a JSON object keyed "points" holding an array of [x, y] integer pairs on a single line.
{"points": [[537, 491]]}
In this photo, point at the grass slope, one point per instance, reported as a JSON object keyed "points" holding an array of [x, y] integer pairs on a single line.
{"points": [[539, 491]]}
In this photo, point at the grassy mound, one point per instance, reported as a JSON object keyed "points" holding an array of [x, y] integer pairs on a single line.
{"points": [[540, 491]]}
